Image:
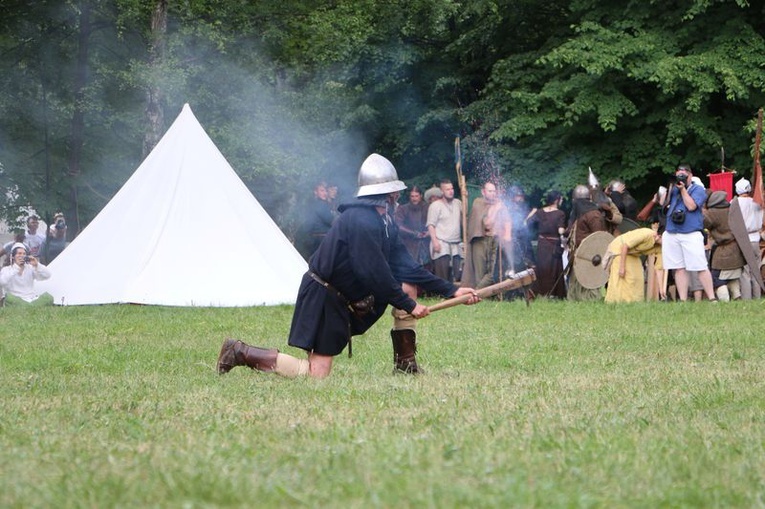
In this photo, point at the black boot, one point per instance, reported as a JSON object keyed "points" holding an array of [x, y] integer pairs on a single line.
{"points": [[236, 353], [404, 350]]}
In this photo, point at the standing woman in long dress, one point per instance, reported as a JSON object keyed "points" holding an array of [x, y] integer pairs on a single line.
{"points": [[550, 223]]}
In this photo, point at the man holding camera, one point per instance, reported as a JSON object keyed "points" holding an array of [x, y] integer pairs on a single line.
{"points": [[56, 241], [682, 241], [17, 279]]}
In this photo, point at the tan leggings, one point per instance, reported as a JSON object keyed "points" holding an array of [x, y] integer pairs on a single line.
{"points": [[402, 319]]}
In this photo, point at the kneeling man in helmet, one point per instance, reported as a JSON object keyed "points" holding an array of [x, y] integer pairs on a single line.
{"points": [[360, 268]]}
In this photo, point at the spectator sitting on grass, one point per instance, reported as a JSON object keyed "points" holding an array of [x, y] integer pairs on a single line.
{"points": [[17, 279]]}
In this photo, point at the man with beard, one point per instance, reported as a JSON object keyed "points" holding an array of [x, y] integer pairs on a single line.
{"points": [[445, 228]]}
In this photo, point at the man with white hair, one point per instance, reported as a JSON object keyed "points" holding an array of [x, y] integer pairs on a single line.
{"points": [[752, 212]]}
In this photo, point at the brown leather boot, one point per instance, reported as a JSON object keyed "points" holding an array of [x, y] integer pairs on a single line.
{"points": [[237, 353], [404, 350]]}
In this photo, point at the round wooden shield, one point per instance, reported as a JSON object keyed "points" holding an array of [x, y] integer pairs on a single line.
{"points": [[627, 225], [588, 260]]}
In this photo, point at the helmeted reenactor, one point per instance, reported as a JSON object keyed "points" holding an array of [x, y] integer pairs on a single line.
{"points": [[360, 268], [586, 218]]}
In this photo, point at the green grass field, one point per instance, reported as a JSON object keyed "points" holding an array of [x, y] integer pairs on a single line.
{"points": [[552, 405]]}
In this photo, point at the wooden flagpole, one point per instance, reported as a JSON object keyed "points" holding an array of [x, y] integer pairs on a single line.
{"points": [[757, 192]]}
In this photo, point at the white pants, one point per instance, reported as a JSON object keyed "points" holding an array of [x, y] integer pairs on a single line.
{"points": [[684, 251]]}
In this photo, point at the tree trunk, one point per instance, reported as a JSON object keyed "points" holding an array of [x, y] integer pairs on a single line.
{"points": [[154, 111], [77, 134]]}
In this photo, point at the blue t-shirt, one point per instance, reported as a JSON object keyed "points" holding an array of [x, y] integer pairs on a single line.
{"points": [[694, 220]]}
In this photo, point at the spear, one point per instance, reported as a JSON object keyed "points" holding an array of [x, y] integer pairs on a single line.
{"points": [[757, 171], [463, 187]]}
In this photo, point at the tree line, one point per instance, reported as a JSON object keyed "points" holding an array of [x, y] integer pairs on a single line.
{"points": [[295, 91]]}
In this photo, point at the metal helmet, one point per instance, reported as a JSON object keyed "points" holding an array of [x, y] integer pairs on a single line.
{"points": [[378, 176], [581, 192]]}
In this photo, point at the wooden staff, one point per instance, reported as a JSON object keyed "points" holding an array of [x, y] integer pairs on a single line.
{"points": [[462, 184], [518, 280], [757, 193]]}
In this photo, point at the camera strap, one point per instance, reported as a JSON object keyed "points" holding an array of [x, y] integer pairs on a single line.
{"points": [[678, 199]]}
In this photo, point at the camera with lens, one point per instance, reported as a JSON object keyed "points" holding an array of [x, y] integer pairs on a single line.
{"points": [[27, 259], [60, 224], [674, 179], [678, 216]]}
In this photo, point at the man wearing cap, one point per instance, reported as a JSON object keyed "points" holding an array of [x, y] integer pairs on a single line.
{"points": [[358, 269], [682, 241], [17, 279], [433, 194], [752, 212]]}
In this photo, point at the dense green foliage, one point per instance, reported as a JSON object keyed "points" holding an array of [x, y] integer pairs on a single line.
{"points": [[632, 90], [554, 405], [293, 91]]}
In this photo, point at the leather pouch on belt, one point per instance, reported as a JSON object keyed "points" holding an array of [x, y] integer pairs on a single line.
{"points": [[362, 307]]}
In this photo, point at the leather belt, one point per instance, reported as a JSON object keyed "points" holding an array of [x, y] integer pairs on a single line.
{"points": [[340, 296], [328, 286]]}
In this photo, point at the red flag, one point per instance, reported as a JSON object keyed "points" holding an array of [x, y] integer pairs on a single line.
{"points": [[757, 171]]}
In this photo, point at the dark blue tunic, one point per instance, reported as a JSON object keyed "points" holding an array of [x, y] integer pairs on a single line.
{"points": [[362, 254]]}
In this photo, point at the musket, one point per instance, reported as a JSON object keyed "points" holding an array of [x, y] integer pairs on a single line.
{"points": [[517, 280]]}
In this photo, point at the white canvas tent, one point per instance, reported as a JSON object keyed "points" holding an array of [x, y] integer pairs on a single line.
{"points": [[184, 230]]}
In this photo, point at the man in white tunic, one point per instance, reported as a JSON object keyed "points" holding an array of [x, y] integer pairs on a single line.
{"points": [[445, 228]]}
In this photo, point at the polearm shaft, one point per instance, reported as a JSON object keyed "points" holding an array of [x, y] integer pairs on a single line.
{"points": [[757, 192], [462, 184], [518, 280]]}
